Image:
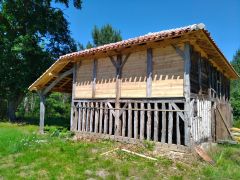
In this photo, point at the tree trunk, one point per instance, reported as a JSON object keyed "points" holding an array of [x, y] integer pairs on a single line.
{"points": [[12, 107]]}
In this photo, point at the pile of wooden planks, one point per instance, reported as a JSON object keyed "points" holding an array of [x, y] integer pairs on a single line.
{"points": [[235, 134]]}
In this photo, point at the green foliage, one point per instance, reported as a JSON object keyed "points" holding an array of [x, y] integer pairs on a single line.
{"points": [[32, 35], [235, 88], [104, 35], [57, 109]]}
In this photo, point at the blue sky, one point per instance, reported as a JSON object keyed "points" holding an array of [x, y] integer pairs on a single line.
{"points": [[138, 17]]}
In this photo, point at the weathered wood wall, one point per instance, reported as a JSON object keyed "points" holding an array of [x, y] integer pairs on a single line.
{"points": [[154, 120], [166, 74]]}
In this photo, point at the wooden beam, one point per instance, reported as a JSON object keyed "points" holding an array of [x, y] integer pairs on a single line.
{"points": [[200, 74], [57, 80], [74, 71], [42, 112], [179, 51], [187, 65], [149, 72], [94, 77]]}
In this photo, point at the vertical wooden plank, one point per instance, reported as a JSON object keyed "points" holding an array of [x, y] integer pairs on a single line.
{"points": [[105, 119], [156, 120], [124, 123], [94, 77], [200, 73], [135, 120], [149, 72], [209, 80], [88, 117], [129, 120], [42, 113], [101, 118], [80, 117], [178, 130], [149, 121], [84, 117], [111, 131], [142, 119], [96, 118], [170, 124], [74, 126], [163, 133], [91, 117], [187, 65]]}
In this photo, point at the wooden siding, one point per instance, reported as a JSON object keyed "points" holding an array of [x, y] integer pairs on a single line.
{"points": [[83, 86], [167, 76], [168, 68], [106, 81], [134, 75]]}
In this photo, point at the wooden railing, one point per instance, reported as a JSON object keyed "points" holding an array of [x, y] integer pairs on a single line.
{"points": [[154, 120]]}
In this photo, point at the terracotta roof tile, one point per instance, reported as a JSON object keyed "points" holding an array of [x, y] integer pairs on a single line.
{"points": [[137, 40]]}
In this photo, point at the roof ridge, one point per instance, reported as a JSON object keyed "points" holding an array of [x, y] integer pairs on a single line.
{"points": [[131, 40]]}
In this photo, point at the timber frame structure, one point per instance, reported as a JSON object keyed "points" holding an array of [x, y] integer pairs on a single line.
{"points": [[171, 87]]}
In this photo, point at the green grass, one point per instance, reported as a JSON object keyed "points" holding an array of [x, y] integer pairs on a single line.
{"points": [[24, 154]]}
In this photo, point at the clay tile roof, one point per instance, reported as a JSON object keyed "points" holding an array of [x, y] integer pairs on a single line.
{"points": [[137, 40], [161, 35]]}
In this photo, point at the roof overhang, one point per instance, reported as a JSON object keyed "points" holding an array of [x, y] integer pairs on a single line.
{"points": [[195, 34]]}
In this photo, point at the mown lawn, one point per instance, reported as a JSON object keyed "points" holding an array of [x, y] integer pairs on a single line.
{"points": [[24, 154]]}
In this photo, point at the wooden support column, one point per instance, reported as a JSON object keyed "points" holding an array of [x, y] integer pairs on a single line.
{"points": [[187, 90], [119, 63], [187, 66], [94, 77], [149, 72], [42, 112], [72, 119], [209, 80], [200, 74]]}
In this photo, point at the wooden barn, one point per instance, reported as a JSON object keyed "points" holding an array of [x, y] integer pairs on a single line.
{"points": [[169, 87]]}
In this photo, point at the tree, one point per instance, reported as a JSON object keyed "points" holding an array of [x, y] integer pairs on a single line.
{"points": [[104, 35], [235, 87], [32, 35]]}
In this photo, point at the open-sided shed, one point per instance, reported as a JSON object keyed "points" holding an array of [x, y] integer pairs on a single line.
{"points": [[170, 87]]}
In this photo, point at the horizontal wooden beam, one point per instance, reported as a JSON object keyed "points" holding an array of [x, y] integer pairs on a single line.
{"points": [[57, 80]]}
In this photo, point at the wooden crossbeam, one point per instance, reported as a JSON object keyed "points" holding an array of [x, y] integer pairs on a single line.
{"points": [[179, 51], [57, 80]]}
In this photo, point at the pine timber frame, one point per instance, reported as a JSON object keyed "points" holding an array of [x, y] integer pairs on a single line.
{"points": [[172, 92]]}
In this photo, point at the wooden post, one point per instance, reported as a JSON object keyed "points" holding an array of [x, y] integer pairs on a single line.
{"points": [[80, 117], [149, 121], [142, 119], [84, 118], [118, 93], [170, 124], [95, 62], [163, 137], [96, 118], [129, 120], [149, 72], [200, 74], [135, 120], [156, 119], [124, 123], [101, 118], [187, 66], [42, 112], [73, 93]]}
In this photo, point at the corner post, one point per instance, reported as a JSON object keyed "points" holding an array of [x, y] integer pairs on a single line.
{"points": [[42, 112], [187, 107], [73, 123]]}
